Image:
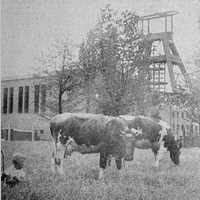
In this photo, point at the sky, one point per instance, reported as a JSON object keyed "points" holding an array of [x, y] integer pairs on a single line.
{"points": [[32, 26]]}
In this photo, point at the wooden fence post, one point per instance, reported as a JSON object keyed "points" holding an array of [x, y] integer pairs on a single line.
{"points": [[33, 134], [9, 132]]}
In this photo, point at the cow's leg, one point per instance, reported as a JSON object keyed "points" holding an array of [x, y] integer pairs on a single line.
{"points": [[109, 160], [118, 162], [60, 156], [159, 154], [53, 167], [60, 168], [155, 155], [53, 164], [155, 152], [123, 163], [161, 150], [102, 164], [101, 173]]}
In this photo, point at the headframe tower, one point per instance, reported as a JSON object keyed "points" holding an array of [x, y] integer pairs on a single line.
{"points": [[166, 62]]}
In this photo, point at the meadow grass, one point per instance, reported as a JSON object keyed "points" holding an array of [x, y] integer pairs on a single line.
{"points": [[137, 181]]}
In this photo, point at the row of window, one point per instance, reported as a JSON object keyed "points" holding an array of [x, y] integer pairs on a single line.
{"points": [[184, 115], [195, 130], [5, 100], [187, 129], [157, 76], [23, 99]]}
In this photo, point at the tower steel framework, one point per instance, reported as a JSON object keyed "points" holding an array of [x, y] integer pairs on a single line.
{"points": [[163, 63]]}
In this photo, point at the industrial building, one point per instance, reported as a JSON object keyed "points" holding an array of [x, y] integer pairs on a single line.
{"points": [[23, 102]]}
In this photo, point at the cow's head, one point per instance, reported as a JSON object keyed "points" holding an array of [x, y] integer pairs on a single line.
{"points": [[64, 146], [129, 137], [119, 133], [70, 146], [173, 146]]}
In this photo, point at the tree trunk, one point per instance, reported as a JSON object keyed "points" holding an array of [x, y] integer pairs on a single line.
{"points": [[60, 102], [87, 96]]}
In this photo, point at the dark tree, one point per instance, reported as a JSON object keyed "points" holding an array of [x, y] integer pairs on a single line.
{"points": [[61, 74]]}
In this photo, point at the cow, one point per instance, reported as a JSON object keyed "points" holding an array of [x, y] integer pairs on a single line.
{"points": [[155, 135], [89, 133]]}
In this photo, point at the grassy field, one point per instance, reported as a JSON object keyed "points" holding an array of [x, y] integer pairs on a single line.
{"points": [[138, 181]]}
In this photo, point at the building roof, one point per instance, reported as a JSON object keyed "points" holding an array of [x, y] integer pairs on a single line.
{"points": [[159, 15], [22, 77]]}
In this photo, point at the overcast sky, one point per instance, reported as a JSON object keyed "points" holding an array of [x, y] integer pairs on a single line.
{"points": [[31, 26]]}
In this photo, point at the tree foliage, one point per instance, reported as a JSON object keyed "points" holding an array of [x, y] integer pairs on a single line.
{"points": [[117, 53], [87, 66]]}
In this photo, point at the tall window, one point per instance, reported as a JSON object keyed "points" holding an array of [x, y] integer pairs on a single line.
{"points": [[182, 114], [173, 125], [5, 100], [178, 126], [188, 130], [20, 100], [26, 99], [43, 98], [11, 91], [36, 98]]}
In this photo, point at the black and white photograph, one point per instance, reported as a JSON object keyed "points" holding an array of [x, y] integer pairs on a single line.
{"points": [[100, 99]]}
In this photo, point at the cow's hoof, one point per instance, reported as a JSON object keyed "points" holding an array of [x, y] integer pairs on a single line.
{"points": [[53, 165]]}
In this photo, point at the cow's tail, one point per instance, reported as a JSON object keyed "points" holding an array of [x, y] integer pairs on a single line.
{"points": [[51, 130]]}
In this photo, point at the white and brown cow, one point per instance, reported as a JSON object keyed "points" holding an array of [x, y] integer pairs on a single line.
{"points": [[155, 135], [89, 133]]}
